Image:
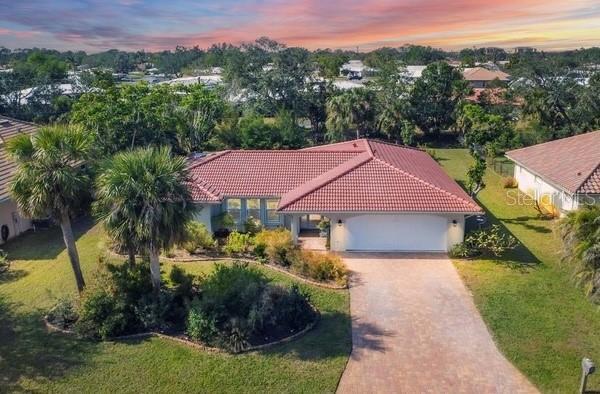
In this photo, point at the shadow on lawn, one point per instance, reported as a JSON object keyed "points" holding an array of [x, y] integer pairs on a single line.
{"points": [[330, 339], [523, 221], [45, 244], [28, 351], [12, 275]]}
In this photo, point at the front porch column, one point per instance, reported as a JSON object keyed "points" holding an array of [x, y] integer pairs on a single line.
{"points": [[295, 228]]}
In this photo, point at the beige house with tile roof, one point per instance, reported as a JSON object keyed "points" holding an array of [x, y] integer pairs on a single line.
{"points": [[11, 222], [565, 172]]}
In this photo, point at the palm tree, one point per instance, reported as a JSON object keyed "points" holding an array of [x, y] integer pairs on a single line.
{"points": [[50, 179], [351, 109], [144, 201]]}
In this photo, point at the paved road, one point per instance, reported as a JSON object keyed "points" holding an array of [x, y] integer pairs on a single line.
{"points": [[415, 329]]}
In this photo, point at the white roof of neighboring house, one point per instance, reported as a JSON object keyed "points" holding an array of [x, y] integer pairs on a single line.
{"points": [[64, 88], [345, 85], [203, 79], [356, 66], [414, 71]]}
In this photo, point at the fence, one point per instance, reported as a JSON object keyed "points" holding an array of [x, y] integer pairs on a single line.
{"points": [[503, 167]]}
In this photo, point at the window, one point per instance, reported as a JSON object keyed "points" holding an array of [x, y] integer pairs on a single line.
{"points": [[253, 209], [272, 215], [234, 208]]}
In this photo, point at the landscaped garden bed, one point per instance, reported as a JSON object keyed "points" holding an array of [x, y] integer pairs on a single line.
{"points": [[273, 248], [236, 308]]}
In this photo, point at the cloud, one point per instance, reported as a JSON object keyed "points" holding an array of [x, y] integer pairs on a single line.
{"points": [[152, 25]]}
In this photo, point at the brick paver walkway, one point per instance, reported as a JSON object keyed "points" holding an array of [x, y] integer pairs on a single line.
{"points": [[415, 329]]}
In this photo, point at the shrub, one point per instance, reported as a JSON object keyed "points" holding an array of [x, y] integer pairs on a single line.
{"points": [[197, 237], [275, 245], [463, 250], [238, 305], [102, 315], [252, 226], [580, 234], [324, 267], [120, 300], [4, 262], [224, 221], [237, 243], [492, 241], [509, 182], [63, 314]]}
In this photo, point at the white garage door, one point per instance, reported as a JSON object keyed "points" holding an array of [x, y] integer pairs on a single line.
{"points": [[396, 232]]}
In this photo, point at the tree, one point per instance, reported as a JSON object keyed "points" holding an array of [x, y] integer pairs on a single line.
{"points": [[130, 116], [143, 195], [390, 87], [350, 114], [202, 109], [434, 97], [475, 175], [481, 128], [51, 181]]}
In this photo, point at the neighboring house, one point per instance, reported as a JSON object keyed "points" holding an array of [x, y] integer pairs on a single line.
{"points": [[356, 69], [377, 196], [11, 222], [480, 77], [414, 72], [564, 173]]}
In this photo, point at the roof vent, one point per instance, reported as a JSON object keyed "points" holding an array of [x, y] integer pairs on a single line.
{"points": [[578, 173], [6, 123]]}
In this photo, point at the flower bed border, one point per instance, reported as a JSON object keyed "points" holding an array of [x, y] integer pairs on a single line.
{"points": [[53, 328], [246, 259]]}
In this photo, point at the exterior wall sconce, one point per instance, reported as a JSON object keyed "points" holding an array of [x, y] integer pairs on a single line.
{"points": [[454, 223], [339, 223]]}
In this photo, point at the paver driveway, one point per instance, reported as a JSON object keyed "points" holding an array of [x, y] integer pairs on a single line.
{"points": [[415, 329]]}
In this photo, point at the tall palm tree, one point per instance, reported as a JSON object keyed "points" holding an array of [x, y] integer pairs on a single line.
{"points": [[144, 202], [351, 109], [50, 179]]}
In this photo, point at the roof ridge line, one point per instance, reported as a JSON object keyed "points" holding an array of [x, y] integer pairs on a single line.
{"points": [[310, 148], [380, 141], [431, 185], [320, 183], [209, 158], [584, 181], [551, 141]]}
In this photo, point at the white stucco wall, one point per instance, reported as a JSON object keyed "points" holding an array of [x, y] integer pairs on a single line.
{"points": [[451, 233], [9, 216], [204, 215], [536, 187]]}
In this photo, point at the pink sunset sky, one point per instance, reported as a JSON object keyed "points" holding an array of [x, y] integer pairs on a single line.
{"points": [[95, 25]]}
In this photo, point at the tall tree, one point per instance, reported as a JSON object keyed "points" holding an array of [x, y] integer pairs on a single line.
{"points": [[350, 114], [51, 181], [143, 195], [435, 95]]}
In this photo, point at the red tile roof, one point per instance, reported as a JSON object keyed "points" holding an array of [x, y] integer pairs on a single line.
{"points": [[571, 163], [10, 128], [360, 175]]}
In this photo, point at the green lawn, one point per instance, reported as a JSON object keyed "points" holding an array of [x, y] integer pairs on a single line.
{"points": [[33, 360], [540, 320]]}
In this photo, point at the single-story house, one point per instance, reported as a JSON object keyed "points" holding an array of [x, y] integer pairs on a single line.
{"points": [[11, 222], [377, 196], [564, 172], [480, 77]]}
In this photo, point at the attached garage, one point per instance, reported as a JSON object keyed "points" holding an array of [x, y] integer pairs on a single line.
{"points": [[396, 233]]}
